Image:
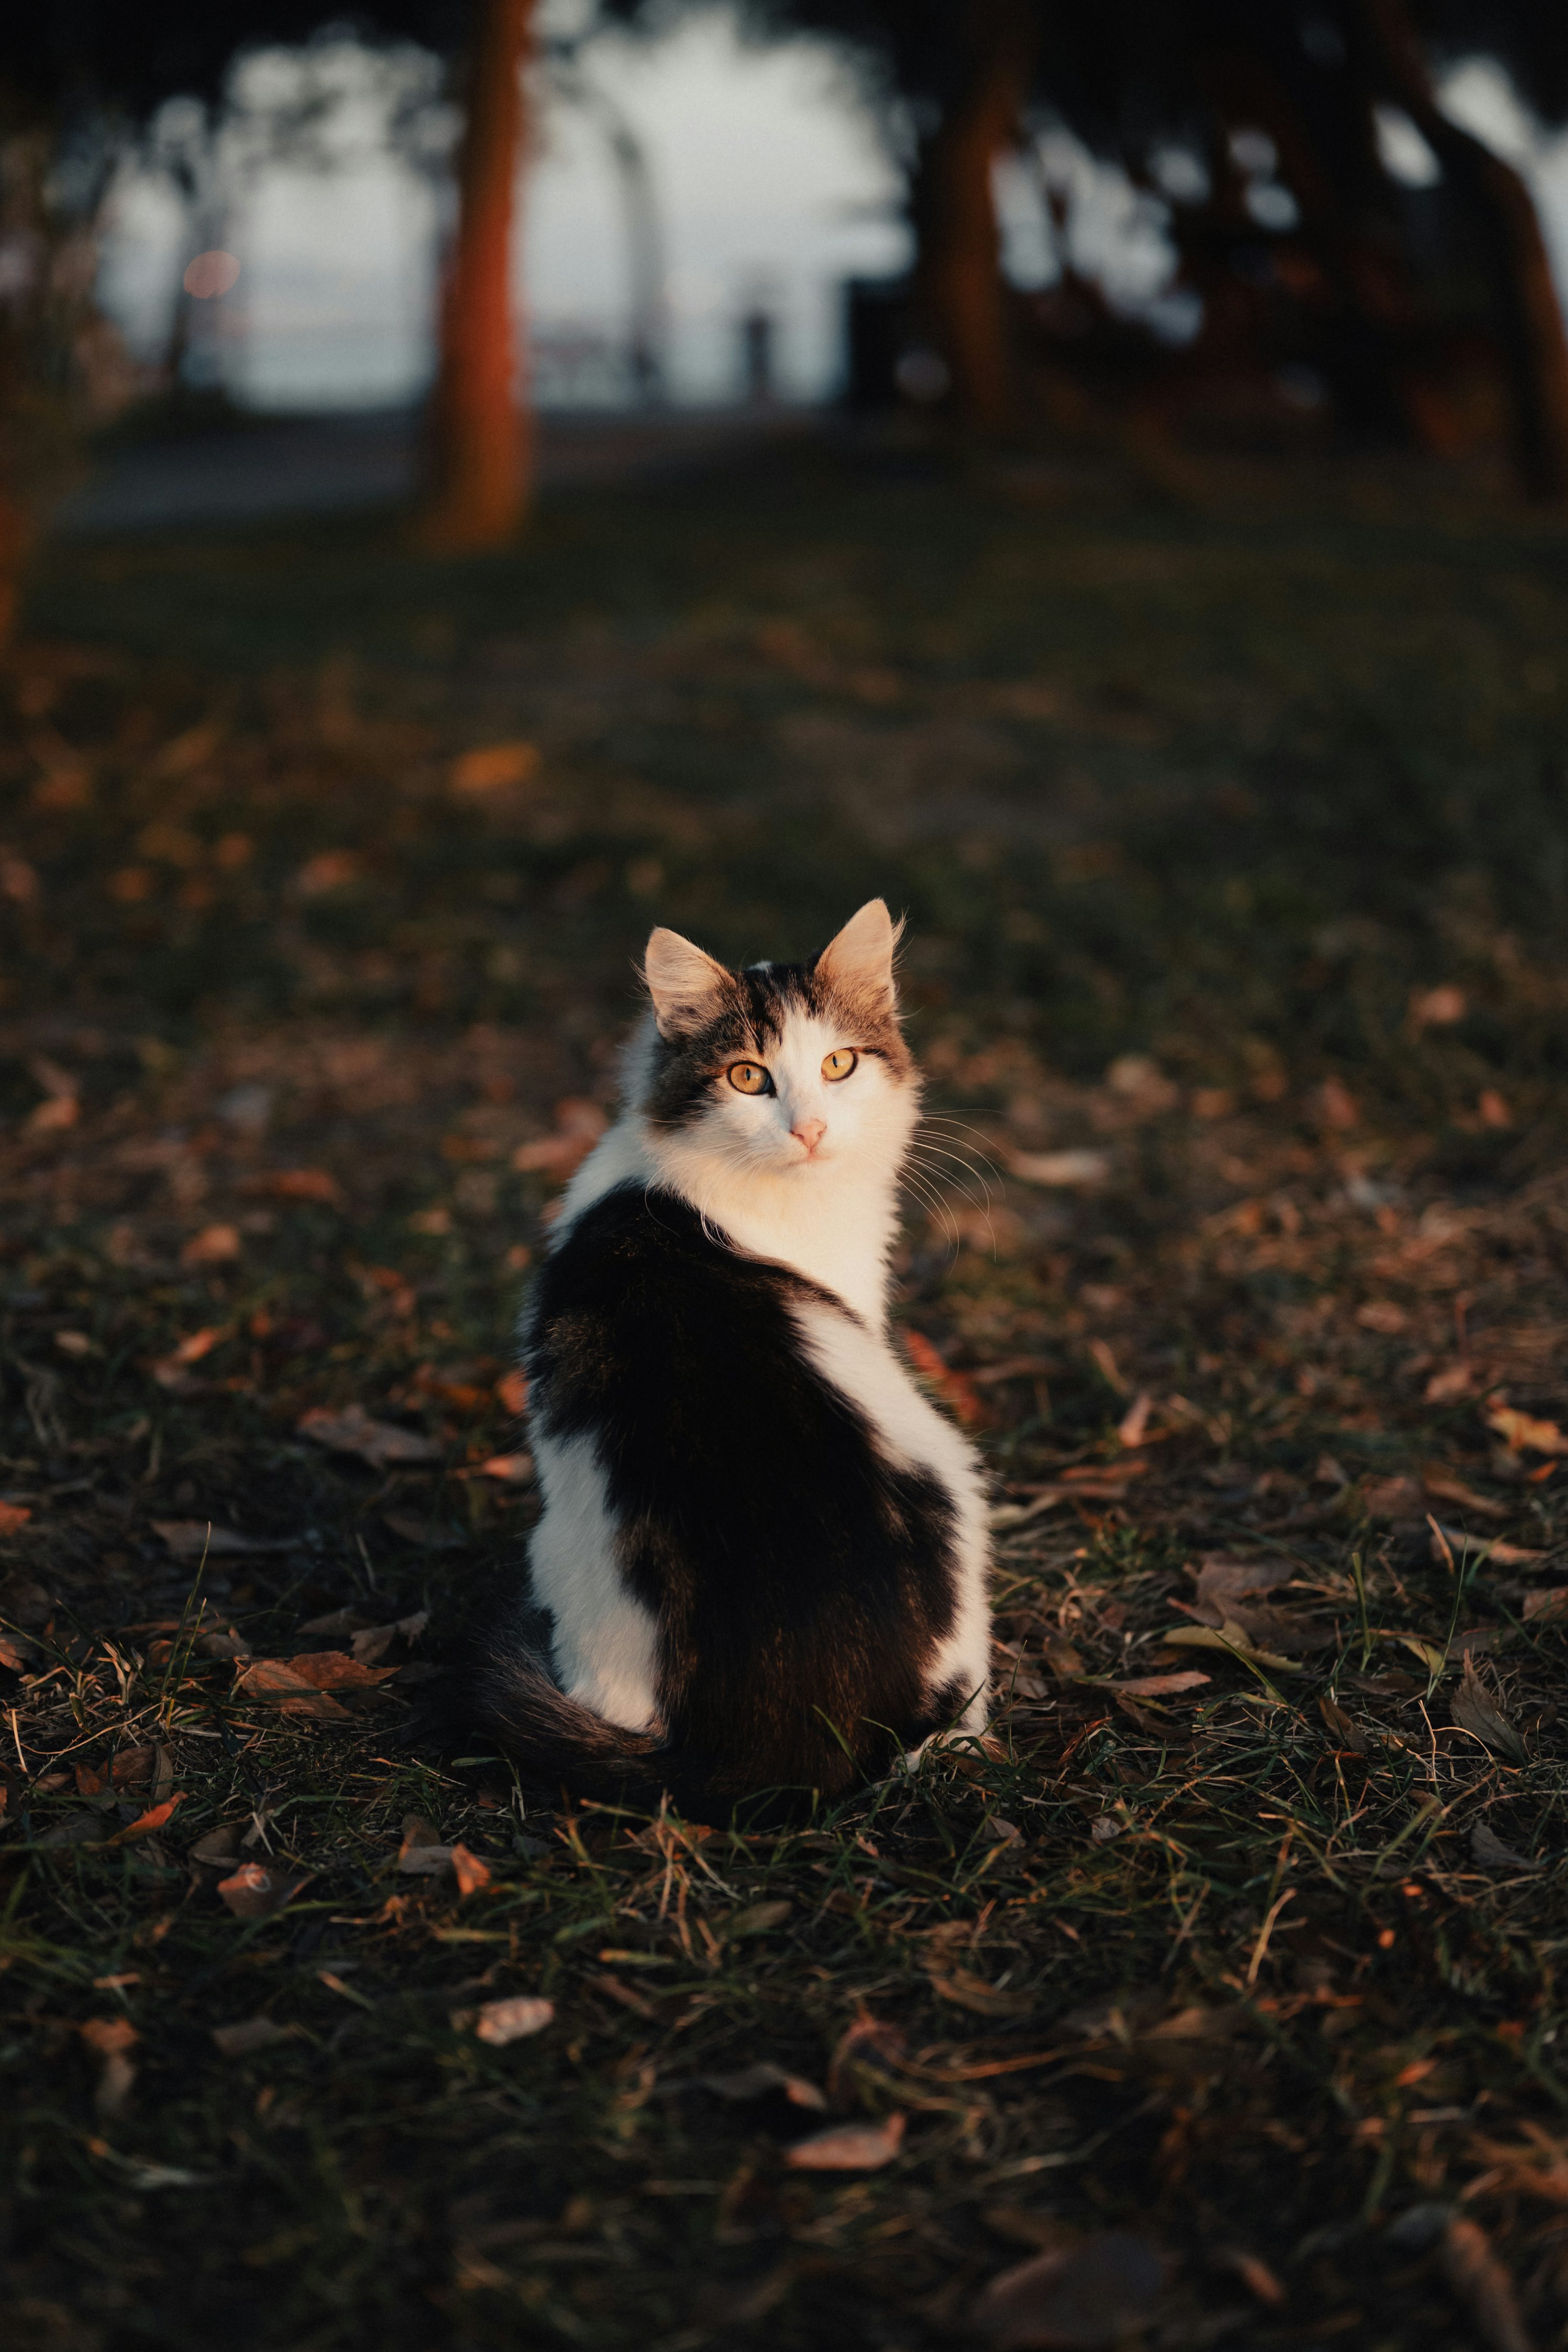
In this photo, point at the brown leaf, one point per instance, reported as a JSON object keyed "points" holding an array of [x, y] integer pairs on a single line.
{"points": [[217, 1848], [507, 1469], [213, 1246], [1255, 2276], [1476, 2277], [270, 1679], [1221, 1582], [255, 1892], [13, 1653], [849, 2148], [190, 1539], [248, 2035], [332, 1670], [1394, 1499], [353, 1431], [756, 1919], [1097, 2293], [500, 2021], [1451, 1489], [959, 1395], [469, 1872], [146, 1823], [493, 767], [169, 1370], [1548, 1608], [973, 1993], [511, 1392], [1157, 1686], [109, 2035], [1345, 1733], [1522, 1435], [867, 2038], [1474, 1711], [14, 1517]]}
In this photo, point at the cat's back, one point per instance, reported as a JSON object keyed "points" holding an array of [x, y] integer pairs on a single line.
{"points": [[641, 1299]]}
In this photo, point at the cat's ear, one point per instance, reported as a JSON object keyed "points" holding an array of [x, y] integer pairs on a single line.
{"points": [[687, 986], [859, 962]]}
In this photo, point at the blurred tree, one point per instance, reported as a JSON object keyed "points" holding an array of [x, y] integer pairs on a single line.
{"points": [[480, 447], [955, 84]]}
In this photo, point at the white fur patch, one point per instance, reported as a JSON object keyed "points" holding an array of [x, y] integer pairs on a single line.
{"points": [[862, 1365], [606, 1643]]}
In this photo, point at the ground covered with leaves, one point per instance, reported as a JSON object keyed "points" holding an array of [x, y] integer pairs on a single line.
{"points": [[1214, 2000]]}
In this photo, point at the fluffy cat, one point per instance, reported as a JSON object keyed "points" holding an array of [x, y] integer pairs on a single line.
{"points": [[762, 1552]]}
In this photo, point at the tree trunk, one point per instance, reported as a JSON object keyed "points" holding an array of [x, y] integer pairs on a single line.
{"points": [[1529, 315], [481, 446], [959, 281]]}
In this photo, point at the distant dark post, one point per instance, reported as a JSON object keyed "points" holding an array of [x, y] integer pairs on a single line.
{"points": [[757, 357]]}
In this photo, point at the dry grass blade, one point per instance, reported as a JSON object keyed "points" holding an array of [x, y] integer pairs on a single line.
{"points": [[1475, 1711]]}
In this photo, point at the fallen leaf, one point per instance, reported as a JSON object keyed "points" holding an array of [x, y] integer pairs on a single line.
{"points": [[512, 1392], [756, 2081], [1346, 1733], [957, 1392], [1016, 1514], [1107, 1826], [1157, 1686], [217, 1848], [1255, 2276], [109, 2035], [1099, 2292], [256, 1893], [145, 1823], [1521, 1435], [469, 1872], [1449, 1383], [1548, 1608], [1394, 1499], [1134, 1422], [500, 2021], [14, 1517], [1474, 1711], [373, 1641], [303, 1185], [247, 2036], [1444, 1484], [213, 1246], [1476, 2275], [189, 1538], [351, 1430], [756, 1919], [1229, 1636], [334, 1670], [269, 1678], [330, 869], [1507, 1555], [15, 1654], [849, 2148], [1059, 1169], [169, 1370], [981, 1999], [491, 767], [1488, 1850], [508, 1469], [1436, 1008]]}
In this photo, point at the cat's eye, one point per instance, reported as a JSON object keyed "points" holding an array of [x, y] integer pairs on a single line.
{"points": [[749, 1078], [839, 1064]]}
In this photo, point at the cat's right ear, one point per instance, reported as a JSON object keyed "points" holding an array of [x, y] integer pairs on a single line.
{"points": [[687, 986]]}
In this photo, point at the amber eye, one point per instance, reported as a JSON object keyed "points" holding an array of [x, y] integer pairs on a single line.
{"points": [[749, 1078], [838, 1064]]}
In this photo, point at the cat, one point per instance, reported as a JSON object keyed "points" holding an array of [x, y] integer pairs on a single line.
{"points": [[762, 1551]]}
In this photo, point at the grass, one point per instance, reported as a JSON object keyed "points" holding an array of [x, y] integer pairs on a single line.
{"points": [[1231, 832]]}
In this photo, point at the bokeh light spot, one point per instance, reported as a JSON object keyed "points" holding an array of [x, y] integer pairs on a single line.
{"points": [[209, 274]]}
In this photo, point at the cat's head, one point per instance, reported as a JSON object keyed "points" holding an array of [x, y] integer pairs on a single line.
{"points": [[780, 1069]]}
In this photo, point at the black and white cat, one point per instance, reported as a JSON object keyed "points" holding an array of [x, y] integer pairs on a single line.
{"points": [[764, 1552]]}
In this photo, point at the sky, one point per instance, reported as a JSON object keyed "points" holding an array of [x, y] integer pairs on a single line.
{"points": [[770, 187]]}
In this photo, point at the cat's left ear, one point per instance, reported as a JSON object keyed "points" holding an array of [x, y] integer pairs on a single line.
{"points": [[859, 962]]}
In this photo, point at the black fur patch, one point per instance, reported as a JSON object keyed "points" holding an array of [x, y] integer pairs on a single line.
{"points": [[800, 1582]]}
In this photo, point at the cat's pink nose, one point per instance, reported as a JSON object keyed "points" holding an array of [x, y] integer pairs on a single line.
{"points": [[809, 1132]]}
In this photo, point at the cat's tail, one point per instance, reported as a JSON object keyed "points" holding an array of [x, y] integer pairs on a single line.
{"points": [[560, 1744]]}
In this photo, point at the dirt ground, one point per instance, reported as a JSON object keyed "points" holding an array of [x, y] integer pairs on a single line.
{"points": [[1215, 2000]]}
